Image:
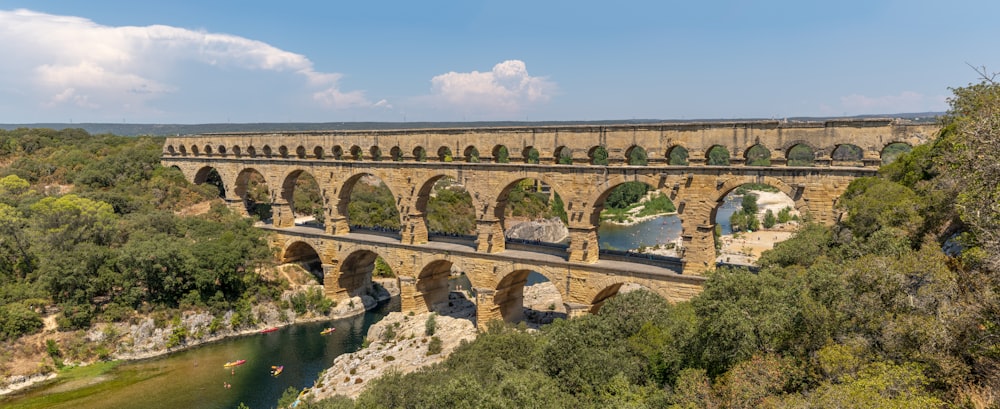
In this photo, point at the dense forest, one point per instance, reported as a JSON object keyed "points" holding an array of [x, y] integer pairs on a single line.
{"points": [[894, 307], [89, 228]]}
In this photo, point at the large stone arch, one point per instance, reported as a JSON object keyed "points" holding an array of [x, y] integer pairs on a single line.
{"points": [[241, 185], [748, 160], [432, 284], [351, 276], [287, 195], [415, 230], [342, 197], [848, 153], [734, 182], [306, 254], [600, 194], [499, 195], [205, 175], [602, 288], [508, 297]]}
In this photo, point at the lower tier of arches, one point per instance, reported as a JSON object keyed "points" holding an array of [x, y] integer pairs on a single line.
{"points": [[497, 280]]}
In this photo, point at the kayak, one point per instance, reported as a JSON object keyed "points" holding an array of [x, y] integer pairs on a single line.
{"points": [[234, 363], [266, 330], [277, 370], [327, 331]]}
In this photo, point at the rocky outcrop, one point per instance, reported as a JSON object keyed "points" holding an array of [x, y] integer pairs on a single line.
{"points": [[399, 342], [549, 230]]}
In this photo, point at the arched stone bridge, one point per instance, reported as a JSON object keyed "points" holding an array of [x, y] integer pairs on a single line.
{"points": [[581, 163]]}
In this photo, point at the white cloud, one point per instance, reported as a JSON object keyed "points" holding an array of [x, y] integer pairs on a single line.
{"points": [[907, 101], [74, 61], [506, 88]]}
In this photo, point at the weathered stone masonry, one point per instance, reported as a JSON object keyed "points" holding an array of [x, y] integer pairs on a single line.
{"points": [[338, 159]]}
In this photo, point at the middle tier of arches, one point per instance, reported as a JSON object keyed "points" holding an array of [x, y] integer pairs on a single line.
{"points": [[583, 190]]}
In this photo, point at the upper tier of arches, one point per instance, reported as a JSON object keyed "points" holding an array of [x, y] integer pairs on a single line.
{"points": [[762, 143]]}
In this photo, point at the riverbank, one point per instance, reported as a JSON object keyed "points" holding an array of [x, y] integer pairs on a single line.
{"points": [[27, 361], [634, 220], [745, 248], [399, 342]]}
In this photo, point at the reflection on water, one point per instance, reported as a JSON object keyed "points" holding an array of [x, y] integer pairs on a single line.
{"points": [[195, 378], [660, 230]]}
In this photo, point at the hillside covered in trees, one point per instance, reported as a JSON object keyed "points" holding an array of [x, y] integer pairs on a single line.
{"points": [[894, 307], [89, 229]]}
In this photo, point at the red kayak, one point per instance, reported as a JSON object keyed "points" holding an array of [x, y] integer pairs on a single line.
{"points": [[266, 330], [234, 363]]}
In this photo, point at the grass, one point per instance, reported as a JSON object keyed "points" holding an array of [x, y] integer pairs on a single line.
{"points": [[38, 398]]}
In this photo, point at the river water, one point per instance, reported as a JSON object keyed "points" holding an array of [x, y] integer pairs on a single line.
{"points": [[660, 230], [194, 378]]}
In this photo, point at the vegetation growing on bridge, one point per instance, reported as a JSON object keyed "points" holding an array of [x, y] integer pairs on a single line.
{"points": [[870, 312]]}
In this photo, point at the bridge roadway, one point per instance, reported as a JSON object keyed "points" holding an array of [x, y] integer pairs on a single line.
{"points": [[497, 278]]}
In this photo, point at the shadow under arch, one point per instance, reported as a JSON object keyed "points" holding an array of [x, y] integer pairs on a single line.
{"points": [[354, 273], [847, 154], [436, 286], [509, 296], [210, 175], [306, 256], [252, 188]]}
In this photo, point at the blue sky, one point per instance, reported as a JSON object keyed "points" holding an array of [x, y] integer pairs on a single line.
{"points": [[325, 61]]}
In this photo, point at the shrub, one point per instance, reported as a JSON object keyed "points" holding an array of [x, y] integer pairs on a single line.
{"points": [[434, 347], [430, 326], [389, 334], [53, 350], [16, 320], [769, 219]]}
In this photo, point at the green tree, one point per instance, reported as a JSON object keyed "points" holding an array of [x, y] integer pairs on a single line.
{"points": [[758, 155], [599, 156], [718, 156], [769, 219], [531, 155], [637, 156], [502, 155], [69, 220], [678, 156]]}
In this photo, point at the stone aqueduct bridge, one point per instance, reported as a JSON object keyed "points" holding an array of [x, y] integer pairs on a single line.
{"points": [[409, 162]]}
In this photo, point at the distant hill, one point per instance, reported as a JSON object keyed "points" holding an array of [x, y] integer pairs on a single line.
{"points": [[181, 129]]}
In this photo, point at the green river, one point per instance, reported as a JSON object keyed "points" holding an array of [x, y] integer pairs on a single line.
{"points": [[195, 378]]}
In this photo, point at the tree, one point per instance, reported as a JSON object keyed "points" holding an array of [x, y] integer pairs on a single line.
{"points": [[599, 156], [69, 220], [637, 156], [970, 139], [718, 156], [769, 219]]}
